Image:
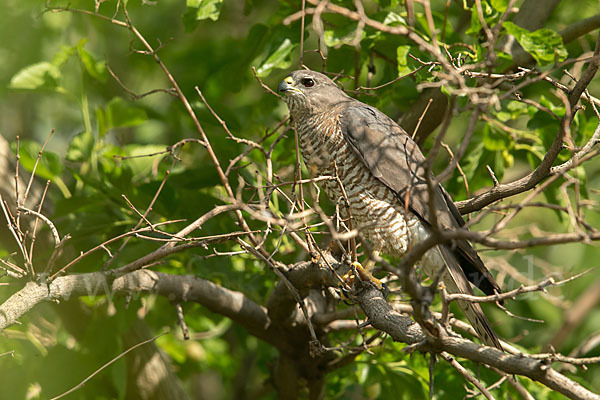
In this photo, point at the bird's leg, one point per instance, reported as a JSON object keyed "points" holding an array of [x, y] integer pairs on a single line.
{"points": [[365, 275]]}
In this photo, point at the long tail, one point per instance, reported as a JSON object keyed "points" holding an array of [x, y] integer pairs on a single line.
{"points": [[456, 282]]}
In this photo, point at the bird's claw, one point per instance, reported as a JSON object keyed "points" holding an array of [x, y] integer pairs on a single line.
{"points": [[385, 290], [345, 295], [315, 257], [358, 271]]}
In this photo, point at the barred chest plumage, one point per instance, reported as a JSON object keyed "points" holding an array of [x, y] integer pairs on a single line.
{"points": [[373, 206]]}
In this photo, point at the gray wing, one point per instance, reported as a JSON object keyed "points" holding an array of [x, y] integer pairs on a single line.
{"points": [[396, 160]]}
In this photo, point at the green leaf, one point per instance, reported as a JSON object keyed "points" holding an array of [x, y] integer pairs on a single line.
{"points": [[189, 20], [559, 109], [553, 196], [96, 69], [499, 5], [63, 55], [49, 166], [509, 159], [50, 163], [120, 113], [472, 160], [544, 45], [503, 116], [280, 58], [580, 174], [81, 147], [495, 139], [394, 19], [498, 166], [206, 9], [102, 123], [586, 130], [544, 124], [42, 75], [534, 154], [401, 54], [174, 348], [447, 91], [488, 14], [142, 166], [516, 108], [341, 35]]}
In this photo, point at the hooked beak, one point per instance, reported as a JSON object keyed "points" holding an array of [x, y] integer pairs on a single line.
{"points": [[286, 85]]}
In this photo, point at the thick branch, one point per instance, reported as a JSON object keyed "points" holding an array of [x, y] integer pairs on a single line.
{"points": [[177, 288], [401, 328], [304, 276]]}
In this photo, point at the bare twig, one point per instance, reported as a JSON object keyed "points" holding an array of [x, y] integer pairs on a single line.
{"points": [[467, 375], [83, 382], [46, 220], [513, 293], [181, 319]]}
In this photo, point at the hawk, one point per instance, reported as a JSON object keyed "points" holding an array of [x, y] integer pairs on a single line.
{"points": [[383, 175]]}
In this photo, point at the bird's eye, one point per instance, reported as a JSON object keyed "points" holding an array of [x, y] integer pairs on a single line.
{"points": [[308, 82]]}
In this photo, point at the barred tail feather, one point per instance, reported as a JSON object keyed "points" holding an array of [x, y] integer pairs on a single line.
{"points": [[456, 282]]}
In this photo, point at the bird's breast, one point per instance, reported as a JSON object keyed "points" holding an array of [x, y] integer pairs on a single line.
{"points": [[374, 208]]}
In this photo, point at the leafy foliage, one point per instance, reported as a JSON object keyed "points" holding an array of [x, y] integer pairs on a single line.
{"points": [[107, 146]]}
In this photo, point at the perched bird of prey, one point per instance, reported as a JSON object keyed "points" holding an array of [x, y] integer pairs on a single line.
{"points": [[383, 175]]}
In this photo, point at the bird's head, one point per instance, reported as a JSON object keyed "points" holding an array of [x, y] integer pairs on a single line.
{"points": [[310, 92]]}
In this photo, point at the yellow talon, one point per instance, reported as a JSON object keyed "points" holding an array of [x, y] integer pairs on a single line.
{"points": [[357, 270], [315, 257]]}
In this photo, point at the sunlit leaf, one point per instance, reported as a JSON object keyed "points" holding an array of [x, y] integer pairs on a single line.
{"points": [[63, 55], [42, 75], [341, 35], [96, 69], [586, 131], [81, 147], [489, 14], [49, 165], [173, 347], [206, 9], [280, 58], [558, 110], [142, 166], [499, 5], [402, 57], [508, 158], [516, 108], [394, 19], [544, 45]]}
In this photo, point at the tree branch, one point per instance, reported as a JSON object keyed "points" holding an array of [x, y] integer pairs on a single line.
{"points": [[544, 168], [402, 328], [177, 288]]}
